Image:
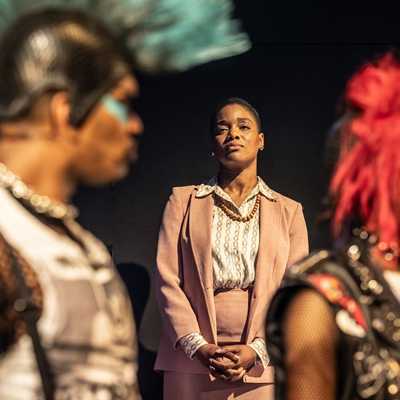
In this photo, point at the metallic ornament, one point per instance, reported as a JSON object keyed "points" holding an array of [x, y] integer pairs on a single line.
{"points": [[40, 204]]}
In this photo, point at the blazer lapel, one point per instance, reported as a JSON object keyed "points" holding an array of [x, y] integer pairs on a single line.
{"points": [[200, 224], [270, 225]]}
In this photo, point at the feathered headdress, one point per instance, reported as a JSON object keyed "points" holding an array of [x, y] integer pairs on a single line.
{"points": [[164, 35], [367, 177]]}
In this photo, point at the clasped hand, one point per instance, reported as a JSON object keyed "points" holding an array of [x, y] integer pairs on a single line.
{"points": [[229, 363]]}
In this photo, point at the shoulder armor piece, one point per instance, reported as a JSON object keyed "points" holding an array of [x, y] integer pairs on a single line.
{"points": [[309, 262]]}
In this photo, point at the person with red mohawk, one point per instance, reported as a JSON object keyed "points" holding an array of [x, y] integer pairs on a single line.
{"points": [[333, 328]]}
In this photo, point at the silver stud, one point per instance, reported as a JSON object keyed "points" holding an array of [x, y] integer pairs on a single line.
{"points": [[364, 271], [372, 239], [390, 316], [378, 325], [383, 353], [388, 256], [20, 305], [396, 322], [375, 287], [365, 300], [354, 252], [393, 389]]}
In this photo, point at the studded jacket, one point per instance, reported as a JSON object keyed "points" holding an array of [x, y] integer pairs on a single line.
{"points": [[366, 313]]}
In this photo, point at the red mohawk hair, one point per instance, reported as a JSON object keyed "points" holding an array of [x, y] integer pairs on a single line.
{"points": [[367, 176]]}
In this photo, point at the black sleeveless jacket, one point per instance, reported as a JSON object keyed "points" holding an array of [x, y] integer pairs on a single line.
{"points": [[367, 315]]}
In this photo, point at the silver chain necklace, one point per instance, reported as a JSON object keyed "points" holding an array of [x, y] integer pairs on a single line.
{"points": [[40, 204]]}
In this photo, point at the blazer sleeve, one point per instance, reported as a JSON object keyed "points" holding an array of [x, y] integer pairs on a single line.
{"points": [[298, 236], [177, 314]]}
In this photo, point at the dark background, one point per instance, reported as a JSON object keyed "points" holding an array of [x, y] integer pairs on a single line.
{"points": [[294, 75]]}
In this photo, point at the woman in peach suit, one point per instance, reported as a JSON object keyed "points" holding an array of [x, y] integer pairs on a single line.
{"points": [[223, 249]]}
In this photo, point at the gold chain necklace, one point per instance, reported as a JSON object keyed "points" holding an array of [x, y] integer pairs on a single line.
{"points": [[219, 202]]}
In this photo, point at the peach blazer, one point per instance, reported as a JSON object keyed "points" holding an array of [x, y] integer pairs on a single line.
{"points": [[184, 276]]}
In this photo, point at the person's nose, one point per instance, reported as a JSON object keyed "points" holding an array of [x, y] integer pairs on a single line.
{"points": [[233, 133], [135, 125]]}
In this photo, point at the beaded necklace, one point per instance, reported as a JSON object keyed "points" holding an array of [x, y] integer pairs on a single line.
{"points": [[233, 215], [40, 204]]}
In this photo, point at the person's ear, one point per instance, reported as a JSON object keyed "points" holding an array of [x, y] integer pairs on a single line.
{"points": [[60, 109], [262, 141]]}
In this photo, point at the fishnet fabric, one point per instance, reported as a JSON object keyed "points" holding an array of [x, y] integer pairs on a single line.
{"points": [[11, 325], [310, 339]]}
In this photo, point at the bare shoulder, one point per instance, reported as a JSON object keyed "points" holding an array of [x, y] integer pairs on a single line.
{"points": [[311, 317], [310, 341]]}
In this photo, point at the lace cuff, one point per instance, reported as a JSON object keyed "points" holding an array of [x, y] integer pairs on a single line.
{"points": [[259, 346], [191, 343]]}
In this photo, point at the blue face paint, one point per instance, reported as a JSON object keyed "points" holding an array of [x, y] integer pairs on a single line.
{"points": [[116, 108]]}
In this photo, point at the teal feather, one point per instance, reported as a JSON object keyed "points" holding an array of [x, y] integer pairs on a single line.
{"points": [[164, 35]]}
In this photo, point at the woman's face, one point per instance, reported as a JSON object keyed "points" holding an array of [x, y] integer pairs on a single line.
{"points": [[237, 139]]}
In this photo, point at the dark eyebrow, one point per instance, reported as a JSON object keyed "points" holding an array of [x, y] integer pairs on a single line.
{"points": [[245, 120], [222, 122]]}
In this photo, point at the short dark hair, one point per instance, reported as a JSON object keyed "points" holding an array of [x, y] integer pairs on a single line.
{"points": [[240, 102]]}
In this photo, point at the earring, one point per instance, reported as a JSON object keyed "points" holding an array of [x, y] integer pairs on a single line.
{"points": [[212, 154], [261, 148]]}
